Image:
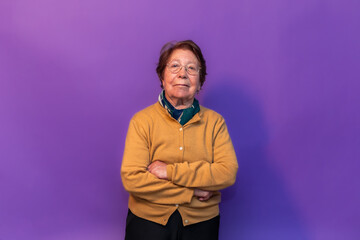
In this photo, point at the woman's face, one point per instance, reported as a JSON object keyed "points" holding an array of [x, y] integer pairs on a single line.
{"points": [[181, 86]]}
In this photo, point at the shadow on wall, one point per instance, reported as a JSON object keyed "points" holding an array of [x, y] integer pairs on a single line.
{"points": [[258, 206]]}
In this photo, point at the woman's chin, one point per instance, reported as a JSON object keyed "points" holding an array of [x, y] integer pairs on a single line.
{"points": [[183, 93], [183, 96]]}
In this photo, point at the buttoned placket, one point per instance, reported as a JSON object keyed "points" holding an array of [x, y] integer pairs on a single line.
{"points": [[181, 142], [181, 148], [181, 130]]}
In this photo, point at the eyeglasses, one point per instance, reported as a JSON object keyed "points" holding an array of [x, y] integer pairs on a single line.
{"points": [[191, 69]]}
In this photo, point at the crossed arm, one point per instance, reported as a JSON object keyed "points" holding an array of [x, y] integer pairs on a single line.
{"points": [[158, 169], [178, 182]]}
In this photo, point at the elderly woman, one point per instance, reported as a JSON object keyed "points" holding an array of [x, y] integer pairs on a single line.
{"points": [[177, 156]]}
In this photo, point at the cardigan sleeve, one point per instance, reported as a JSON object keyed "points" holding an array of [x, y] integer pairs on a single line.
{"points": [[210, 176], [138, 181]]}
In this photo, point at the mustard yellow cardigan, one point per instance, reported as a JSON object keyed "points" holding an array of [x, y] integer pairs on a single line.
{"points": [[199, 155]]}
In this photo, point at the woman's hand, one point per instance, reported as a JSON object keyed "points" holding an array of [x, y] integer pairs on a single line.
{"points": [[158, 168], [202, 195]]}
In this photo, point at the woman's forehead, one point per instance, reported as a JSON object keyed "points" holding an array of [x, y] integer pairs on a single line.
{"points": [[183, 55]]}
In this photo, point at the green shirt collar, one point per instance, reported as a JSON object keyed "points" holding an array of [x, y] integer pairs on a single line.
{"points": [[182, 116]]}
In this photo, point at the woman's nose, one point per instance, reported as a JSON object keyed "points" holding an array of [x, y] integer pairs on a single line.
{"points": [[183, 73]]}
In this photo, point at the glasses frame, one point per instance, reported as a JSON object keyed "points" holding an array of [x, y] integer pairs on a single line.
{"points": [[186, 69]]}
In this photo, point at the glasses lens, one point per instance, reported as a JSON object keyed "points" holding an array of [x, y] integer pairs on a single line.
{"points": [[174, 67], [192, 69]]}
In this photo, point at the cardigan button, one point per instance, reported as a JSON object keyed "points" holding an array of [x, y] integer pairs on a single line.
{"points": [[180, 129], [186, 221], [181, 148], [176, 205]]}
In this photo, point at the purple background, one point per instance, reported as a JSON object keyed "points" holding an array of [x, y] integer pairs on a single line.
{"points": [[284, 74]]}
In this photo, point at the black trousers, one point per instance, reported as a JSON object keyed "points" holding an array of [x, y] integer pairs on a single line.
{"points": [[138, 229]]}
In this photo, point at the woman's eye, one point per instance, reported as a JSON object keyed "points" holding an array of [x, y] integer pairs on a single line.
{"points": [[174, 65], [192, 67]]}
